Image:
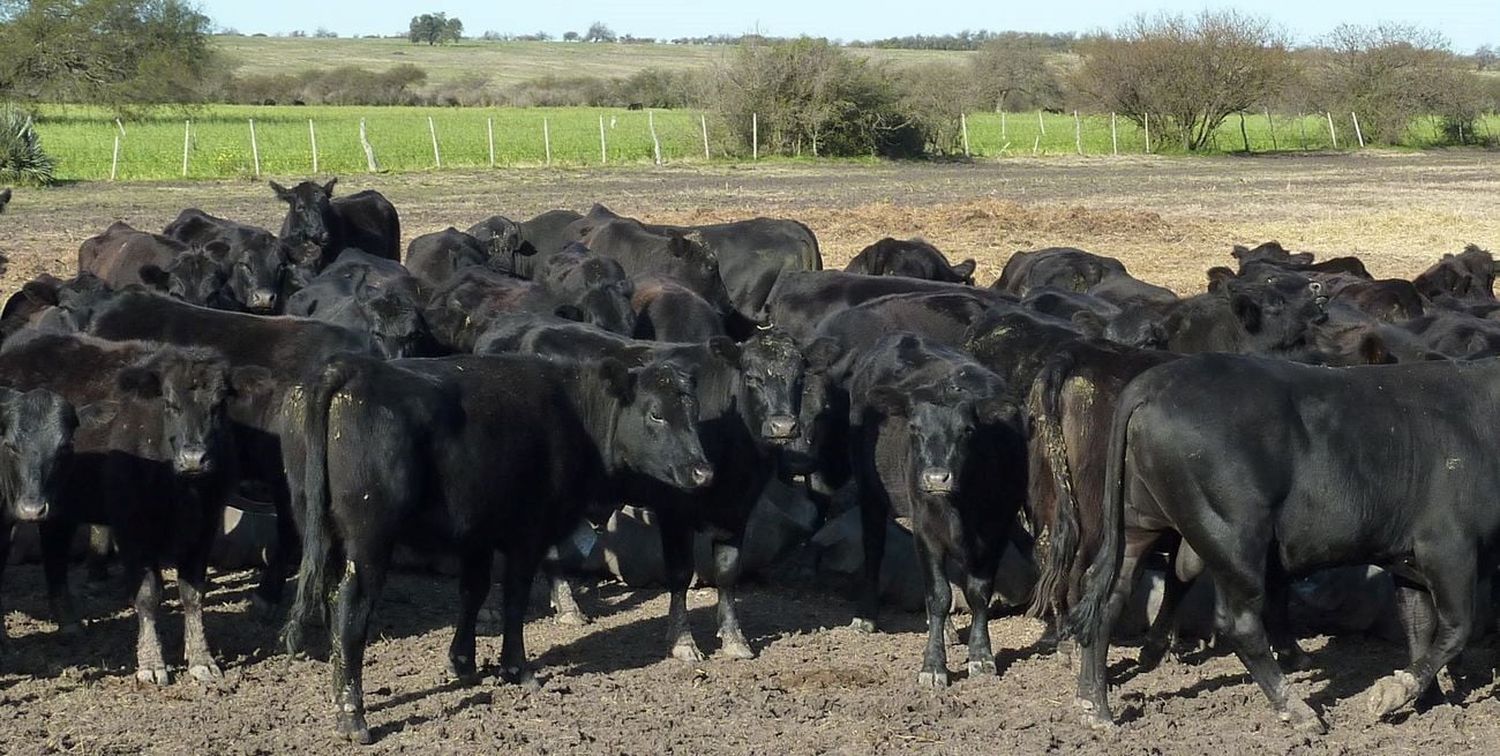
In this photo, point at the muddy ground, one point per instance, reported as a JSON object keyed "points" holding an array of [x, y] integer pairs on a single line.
{"points": [[816, 687]]}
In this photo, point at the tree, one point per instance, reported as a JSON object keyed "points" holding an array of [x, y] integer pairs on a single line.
{"points": [[571, 36], [435, 29], [1486, 57], [1387, 74], [1187, 73], [1012, 73], [115, 52], [598, 32]]}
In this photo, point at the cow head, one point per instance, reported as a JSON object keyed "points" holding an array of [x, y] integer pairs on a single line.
{"points": [[656, 424], [196, 276], [395, 322], [799, 455], [946, 425], [697, 267], [771, 368], [192, 387], [1277, 311], [309, 217], [256, 272], [37, 437], [607, 305], [501, 238]]}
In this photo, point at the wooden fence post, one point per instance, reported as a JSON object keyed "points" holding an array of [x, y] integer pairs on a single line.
{"points": [[1040, 124], [114, 162], [703, 122], [1077, 132], [1302, 129], [1272, 125], [1035, 143], [603, 146], [312, 138], [1244, 133], [364, 141], [1114, 135], [1148, 133], [1334, 135], [254, 148], [963, 125], [187, 132], [655, 143], [489, 132], [547, 140], [1357, 133], [754, 136], [1002, 125], [437, 157]]}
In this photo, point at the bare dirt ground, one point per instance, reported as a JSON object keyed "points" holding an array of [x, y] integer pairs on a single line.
{"points": [[816, 687]]}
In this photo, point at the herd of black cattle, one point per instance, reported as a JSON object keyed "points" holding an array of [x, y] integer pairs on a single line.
{"points": [[499, 386]]}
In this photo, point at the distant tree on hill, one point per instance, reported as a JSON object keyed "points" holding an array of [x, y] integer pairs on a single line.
{"points": [[571, 36], [435, 29], [598, 32], [1486, 57], [324, 32]]}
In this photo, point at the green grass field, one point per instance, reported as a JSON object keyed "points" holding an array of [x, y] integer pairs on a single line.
{"points": [[218, 145]]}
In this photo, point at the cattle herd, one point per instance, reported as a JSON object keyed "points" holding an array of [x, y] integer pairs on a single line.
{"points": [[502, 388]]}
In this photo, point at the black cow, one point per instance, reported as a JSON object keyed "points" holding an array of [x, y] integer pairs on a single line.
{"points": [[683, 257], [802, 300], [120, 254], [469, 304], [1469, 275], [369, 295], [543, 236], [481, 453], [935, 440], [668, 311], [255, 263], [154, 460], [595, 284], [501, 238], [1382, 465], [912, 258], [1391, 300], [435, 258], [1063, 268], [37, 427], [316, 219]]}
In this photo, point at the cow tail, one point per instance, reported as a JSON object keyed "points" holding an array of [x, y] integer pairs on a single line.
{"points": [[1087, 616], [1062, 531], [317, 543]]}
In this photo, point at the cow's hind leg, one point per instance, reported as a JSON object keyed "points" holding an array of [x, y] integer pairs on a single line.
{"points": [[56, 535], [1241, 601], [1164, 625], [726, 577], [677, 557], [1093, 693], [1452, 581], [934, 673], [1279, 622], [473, 587], [353, 606], [1419, 623], [872, 524], [561, 591], [979, 589], [520, 569]]}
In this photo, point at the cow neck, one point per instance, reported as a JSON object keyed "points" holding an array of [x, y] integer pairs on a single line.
{"points": [[599, 410]]}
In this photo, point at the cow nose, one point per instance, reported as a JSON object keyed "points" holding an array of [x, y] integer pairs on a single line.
{"points": [[31, 510], [262, 299], [937, 480], [701, 475], [192, 459], [780, 427]]}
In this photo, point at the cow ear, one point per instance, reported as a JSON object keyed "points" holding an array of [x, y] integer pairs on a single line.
{"points": [[888, 401], [97, 414], [619, 379], [996, 410], [154, 277], [965, 270], [1090, 323], [42, 293], [1218, 276], [283, 193], [570, 312], [1247, 311], [821, 354], [725, 349], [1373, 351], [139, 381], [217, 249], [678, 246], [251, 380], [328, 187]]}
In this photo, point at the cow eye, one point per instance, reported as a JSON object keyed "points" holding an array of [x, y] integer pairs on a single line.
{"points": [[656, 417]]}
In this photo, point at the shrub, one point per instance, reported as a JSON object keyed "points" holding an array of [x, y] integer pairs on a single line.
{"points": [[22, 159]]}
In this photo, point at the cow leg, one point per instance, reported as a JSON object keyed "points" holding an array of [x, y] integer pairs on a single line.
{"points": [[520, 569], [872, 522], [1093, 688], [5, 536], [192, 584], [568, 611], [1279, 622], [979, 589], [473, 587], [266, 600], [1163, 625], [934, 673], [150, 664], [354, 603], [1239, 616], [726, 577], [677, 557], [97, 560], [56, 535], [1453, 586], [1419, 622]]}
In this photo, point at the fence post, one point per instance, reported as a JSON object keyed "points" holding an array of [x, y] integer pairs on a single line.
{"points": [[1002, 125], [754, 136], [963, 125], [364, 142], [1114, 135], [1040, 124], [1272, 125], [1357, 133], [1244, 134], [547, 140], [489, 132], [1035, 143], [1077, 132], [1302, 126], [603, 146], [114, 162], [254, 148], [187, 131], [312, 138], [437, 157], [655, 143], [703, 121], [1148, 133], [1334, 135]]}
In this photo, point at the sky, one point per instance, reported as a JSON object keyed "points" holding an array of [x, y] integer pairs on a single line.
{"points": [[1466, 23]]}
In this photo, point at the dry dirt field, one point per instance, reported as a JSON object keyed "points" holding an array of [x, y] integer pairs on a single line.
{"points": [[816, 687]]}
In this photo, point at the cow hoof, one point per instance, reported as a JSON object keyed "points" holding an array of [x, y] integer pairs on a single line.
{"points": [[936, 680], [687, 651], [464, 671], [982, 668], [1093, 717], [736, 649], [157, 676], [206, 672], [863, 625], [573, 619], [353, 728], [1391, 693], [1294, 661], [1150, 658]]}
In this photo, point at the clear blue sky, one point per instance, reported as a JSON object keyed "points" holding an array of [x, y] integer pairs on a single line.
{"points": [[1466, 23]]}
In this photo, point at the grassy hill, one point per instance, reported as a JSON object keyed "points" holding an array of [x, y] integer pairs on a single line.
{"points": [[502, 62]]}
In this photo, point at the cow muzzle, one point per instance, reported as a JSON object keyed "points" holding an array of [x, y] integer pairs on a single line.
{"points": [[780, 428], [937, 480], [262, 300], [697, 476], [32, 510], [192, 460]]}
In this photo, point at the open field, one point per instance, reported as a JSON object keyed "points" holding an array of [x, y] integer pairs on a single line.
{"points": [[816, 688], [501, 62], [218, 143]]}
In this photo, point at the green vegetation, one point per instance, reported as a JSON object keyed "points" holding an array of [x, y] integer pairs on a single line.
{"points": [[22, 159]]}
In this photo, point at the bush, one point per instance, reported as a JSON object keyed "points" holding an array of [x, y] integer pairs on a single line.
{"points": [[22, 159], [1012, 73], [935, 96], [1388, 74]]}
